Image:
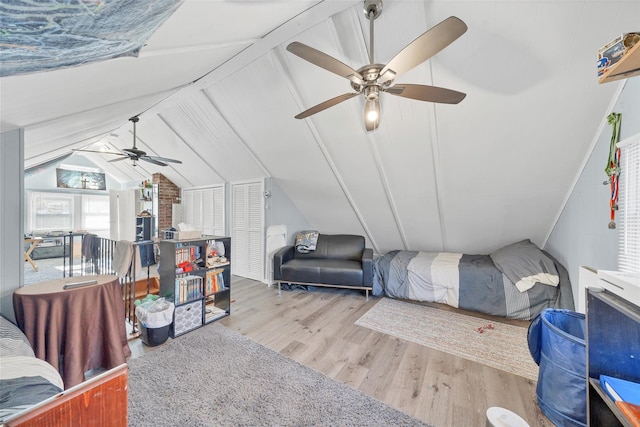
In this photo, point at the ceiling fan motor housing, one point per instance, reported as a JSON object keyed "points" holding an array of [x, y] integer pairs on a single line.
{"points": [[372, 92], [372, 8], [370, 74]]}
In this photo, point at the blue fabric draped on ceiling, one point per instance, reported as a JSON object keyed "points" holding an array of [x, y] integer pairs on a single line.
{"points": [[42, 35]]}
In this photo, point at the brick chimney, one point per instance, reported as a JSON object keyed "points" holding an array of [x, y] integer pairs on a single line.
{"points": [[168, 194]]}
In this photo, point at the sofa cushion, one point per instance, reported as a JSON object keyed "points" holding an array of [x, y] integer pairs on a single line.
{"points": [[323, 271], [336, 246]]}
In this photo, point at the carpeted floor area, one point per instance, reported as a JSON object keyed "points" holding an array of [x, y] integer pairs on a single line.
{"points": [[216, 377], [494, 344], [48, 269]]}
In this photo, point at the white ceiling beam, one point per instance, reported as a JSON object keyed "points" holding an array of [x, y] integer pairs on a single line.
{"points": [[242, 143], [190, 147]]}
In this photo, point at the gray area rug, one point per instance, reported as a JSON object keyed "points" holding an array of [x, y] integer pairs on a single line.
{"points": [[214, 376], [494, 344]]}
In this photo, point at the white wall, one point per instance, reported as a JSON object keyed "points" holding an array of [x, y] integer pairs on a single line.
{"points": [[279, 209], [11, 214], [581, 236]]}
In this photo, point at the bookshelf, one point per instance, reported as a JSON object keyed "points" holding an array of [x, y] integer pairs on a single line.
{"points": [[144, 228], [613, 349], [196, 275]]}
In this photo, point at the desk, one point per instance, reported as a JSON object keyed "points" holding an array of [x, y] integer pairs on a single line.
{"points": [[75, 330], [27, 254]]}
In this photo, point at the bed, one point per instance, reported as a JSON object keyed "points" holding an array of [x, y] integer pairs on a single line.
{"points": [[32, 391], [517, 281]]}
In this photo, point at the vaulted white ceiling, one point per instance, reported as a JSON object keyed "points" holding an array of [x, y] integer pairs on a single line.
{"points": [[216, 88]]}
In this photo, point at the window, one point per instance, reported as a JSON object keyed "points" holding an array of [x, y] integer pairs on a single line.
{"points": [[56, 211], [50, 212], [629, 205], [95, 212]]}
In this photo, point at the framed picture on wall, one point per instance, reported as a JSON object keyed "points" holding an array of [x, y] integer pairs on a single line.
{"points": [[80, 180]]}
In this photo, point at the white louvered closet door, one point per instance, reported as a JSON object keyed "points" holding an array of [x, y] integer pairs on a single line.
{"points": [[247, 253], [204, 209], [196, 210], [187, 206], [213, 211]]}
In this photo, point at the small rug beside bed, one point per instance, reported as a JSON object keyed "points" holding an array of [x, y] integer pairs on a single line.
{"points": [[497, 345]]}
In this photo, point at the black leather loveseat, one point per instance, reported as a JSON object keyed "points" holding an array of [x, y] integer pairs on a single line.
{"points": [[339, 260]]}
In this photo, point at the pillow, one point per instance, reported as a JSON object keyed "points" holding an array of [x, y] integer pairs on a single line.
{"points": [[23, 366], [525, 265], [306, 241], [12, 341]]}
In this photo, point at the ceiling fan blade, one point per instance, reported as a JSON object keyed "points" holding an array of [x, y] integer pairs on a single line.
{"points": [[97, 151], [326, 104], [154, 161], [427, 93], [120, 158], [423, 48], [325, 61], [164, 159], [135, 151]]}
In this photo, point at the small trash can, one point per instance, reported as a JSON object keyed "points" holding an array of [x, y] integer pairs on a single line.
{"points": [[154, 336], [154, 320], [556, 339]]}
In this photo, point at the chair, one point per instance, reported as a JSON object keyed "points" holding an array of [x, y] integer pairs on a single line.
{"points": [[276, 239]]}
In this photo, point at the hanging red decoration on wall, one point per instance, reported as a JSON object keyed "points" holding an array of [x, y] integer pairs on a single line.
{"points": [[613, 166]]}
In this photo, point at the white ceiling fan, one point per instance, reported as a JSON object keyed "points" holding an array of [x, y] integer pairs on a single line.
{"points": [[134, 153], [373, 79]]}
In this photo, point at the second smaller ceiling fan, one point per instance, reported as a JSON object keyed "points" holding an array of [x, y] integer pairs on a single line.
{"points": [[134, 153]]}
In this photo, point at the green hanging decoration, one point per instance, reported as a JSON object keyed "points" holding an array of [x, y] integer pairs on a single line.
{"points": [[613, 166]]}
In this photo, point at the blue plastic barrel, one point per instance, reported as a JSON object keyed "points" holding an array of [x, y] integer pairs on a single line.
{"points": [[557, 344]]}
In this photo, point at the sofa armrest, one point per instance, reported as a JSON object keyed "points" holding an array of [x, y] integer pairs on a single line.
{"points": [[283, 255], [367, 267]]}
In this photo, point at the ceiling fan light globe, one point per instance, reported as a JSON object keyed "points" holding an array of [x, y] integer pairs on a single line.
{"points": [[372, 114]]}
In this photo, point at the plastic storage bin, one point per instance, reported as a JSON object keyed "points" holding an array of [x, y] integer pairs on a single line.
{"points": [[557, 344]]}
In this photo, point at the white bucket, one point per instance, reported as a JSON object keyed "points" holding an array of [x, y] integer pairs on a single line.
{"points": [[500, 417]]}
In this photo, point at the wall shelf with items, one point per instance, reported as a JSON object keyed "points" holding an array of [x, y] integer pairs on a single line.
{"points": [[613, 350], [628, 66], [147, 206], [145, 197], [195, 274]]}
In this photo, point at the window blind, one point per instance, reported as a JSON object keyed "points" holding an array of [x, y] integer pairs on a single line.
{"points": [[629, 205]]}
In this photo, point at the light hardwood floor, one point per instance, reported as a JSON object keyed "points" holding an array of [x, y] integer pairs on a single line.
{"points": [[317, 329]]}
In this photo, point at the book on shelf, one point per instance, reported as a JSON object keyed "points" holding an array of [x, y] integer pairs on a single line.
{"points": [[630, 411], [188, 288], [186, 253], [214, 281], [621, 390]]}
